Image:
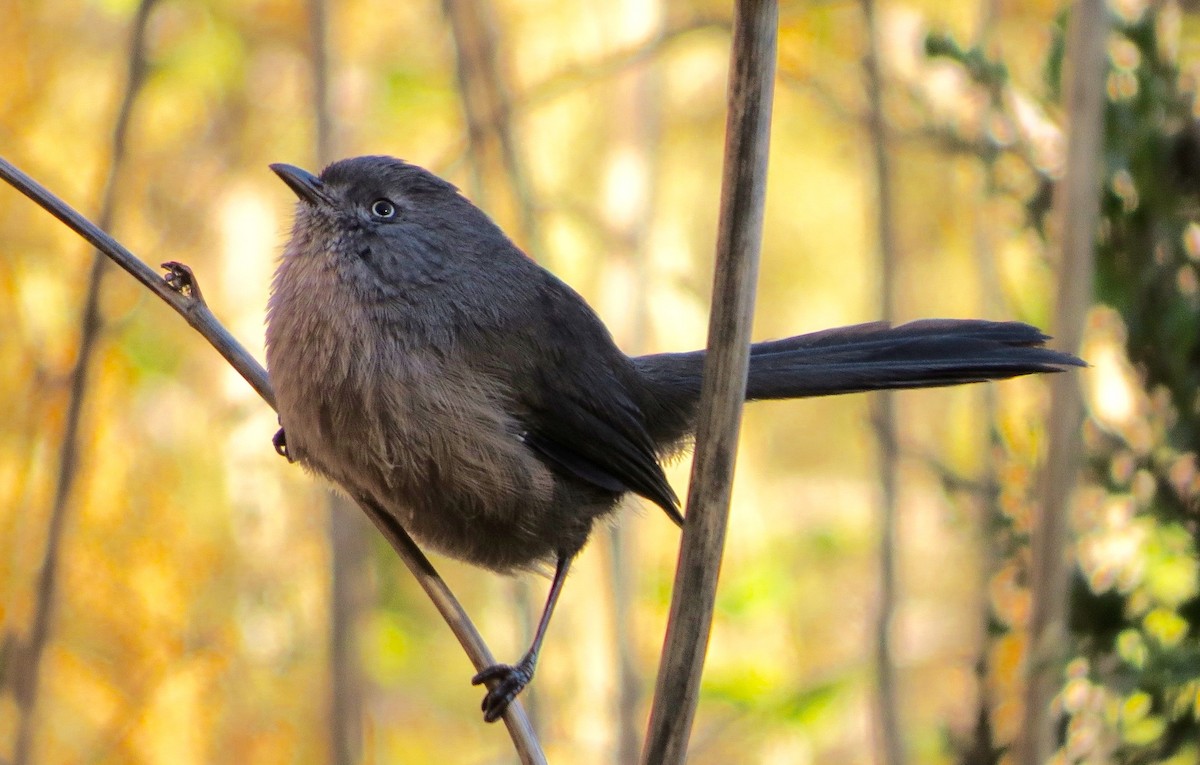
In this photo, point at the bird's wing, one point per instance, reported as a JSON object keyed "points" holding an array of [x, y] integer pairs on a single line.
{"points": [[570, 392], [600, 439]]}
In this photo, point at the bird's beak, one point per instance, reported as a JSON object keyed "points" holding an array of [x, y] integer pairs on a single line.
{"points": [[307, 186]]}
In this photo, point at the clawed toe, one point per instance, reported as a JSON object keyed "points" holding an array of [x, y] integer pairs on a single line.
{"points": [[279, 440], [180, 278], [510, 680]]}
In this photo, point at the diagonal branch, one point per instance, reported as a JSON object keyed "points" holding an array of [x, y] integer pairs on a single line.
{"points": [[180, 291], [185, 301], [572, 78]]}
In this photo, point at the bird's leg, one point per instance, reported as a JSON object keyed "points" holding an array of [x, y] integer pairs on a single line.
{"points": [[511, 679]]}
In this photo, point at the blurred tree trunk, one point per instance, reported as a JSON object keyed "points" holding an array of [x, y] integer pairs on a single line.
{"points": [[629, 193], [346, 529], [27, 668], [1078, 215]]}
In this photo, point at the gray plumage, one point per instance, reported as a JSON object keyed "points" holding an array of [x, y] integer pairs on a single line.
{"points": [[421, 359]]}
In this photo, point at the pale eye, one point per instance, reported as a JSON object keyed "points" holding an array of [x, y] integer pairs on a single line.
{"points": [[382, 208]]}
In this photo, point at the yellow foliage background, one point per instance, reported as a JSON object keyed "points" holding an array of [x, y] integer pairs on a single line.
{"points": [[192, 614]]}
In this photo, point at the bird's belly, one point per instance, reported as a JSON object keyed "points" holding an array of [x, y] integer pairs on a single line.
{"points": [[437, 449]]}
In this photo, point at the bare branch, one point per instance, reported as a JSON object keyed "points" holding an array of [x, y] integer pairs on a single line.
{"points": [[485, 93], [184, 298], [570, 79]]}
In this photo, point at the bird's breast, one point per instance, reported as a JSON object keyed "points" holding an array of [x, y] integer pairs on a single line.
{"points": [[408, 421]]}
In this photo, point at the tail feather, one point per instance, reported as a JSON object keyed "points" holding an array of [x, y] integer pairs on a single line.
{"points": [[876, 356]]}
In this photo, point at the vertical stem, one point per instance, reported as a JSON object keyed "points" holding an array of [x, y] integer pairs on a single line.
{"points": [[348, 596], [1079, 216], [628, 738], [739, 240], [891, 740], [486, 98], [318, 15], [637, 132], [981, 748], [90, 325]]}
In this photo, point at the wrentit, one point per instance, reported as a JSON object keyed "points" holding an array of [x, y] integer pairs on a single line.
{"points": [[420, 359]]}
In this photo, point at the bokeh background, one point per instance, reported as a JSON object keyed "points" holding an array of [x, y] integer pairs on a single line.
{"points": [[191, 572]]}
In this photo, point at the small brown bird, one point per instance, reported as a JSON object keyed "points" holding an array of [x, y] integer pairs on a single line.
{"points": [[421, 360]]}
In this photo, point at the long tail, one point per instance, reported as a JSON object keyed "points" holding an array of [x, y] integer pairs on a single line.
{"points": [[876, 356]]}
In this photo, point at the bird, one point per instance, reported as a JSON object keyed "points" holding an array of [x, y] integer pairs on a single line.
{"points": [[422, 361]]}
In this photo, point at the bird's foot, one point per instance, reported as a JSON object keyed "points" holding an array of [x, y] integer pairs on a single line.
{"points": [[279, 441], [180, 278], [510, 679]]}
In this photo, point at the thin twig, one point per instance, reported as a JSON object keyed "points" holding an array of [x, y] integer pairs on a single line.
{"points": [[185, 298], [487, 101], [1080, 217], [982, 745], [636, 137], [946, 137], [569, 79], [891, 737], [318, 22], [195, 312], [68, 464], [739, 240]]}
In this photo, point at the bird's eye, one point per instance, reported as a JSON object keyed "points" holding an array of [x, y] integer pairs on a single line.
{"points": [[382, 208]]}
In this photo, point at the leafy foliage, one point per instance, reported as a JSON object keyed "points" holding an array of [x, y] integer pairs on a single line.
{"points": [[1132, 690]]}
